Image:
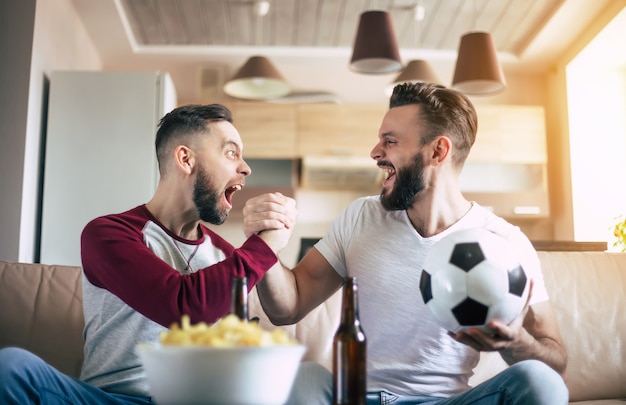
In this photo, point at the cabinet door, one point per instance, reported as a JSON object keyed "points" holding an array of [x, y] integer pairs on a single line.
{"points": [[513, 134], [339, 129], [267, 130]]}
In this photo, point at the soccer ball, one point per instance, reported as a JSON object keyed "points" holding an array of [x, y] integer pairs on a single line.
{"points": [[472, 277]]}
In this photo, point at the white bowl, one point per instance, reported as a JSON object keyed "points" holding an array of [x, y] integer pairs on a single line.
{"points": [[185, 375]]}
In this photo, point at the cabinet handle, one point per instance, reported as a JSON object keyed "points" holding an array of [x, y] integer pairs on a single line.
{"points": [[527, 210], [341, 151]]}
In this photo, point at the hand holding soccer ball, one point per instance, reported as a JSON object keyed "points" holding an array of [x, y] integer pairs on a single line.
{"points": [[472, 277]]}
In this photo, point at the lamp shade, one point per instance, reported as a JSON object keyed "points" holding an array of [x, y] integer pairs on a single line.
{"points": [[416, 71], [257, 79], [477, 68], [375, 46]]}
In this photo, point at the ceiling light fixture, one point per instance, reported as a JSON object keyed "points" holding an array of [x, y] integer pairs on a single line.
{"points": [[375, 46], [261, 7], [257, 79], [477, 69], [417, 70]]}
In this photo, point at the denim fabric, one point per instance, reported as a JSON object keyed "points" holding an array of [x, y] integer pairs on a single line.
{"points": [[27, 379], [313, 386], [528, 382]]}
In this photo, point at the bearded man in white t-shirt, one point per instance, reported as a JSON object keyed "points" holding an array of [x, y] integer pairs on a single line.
{"points": [[423, 142]]}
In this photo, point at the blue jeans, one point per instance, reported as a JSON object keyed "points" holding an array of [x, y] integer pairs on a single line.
{"points": [[529, 382], [27, 379]]}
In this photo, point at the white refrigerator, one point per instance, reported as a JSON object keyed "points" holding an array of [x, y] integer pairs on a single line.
{"points": [[99, 156]]}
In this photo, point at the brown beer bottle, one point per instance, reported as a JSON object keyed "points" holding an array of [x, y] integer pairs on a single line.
{"points": [[349, 352], [239, 305]]}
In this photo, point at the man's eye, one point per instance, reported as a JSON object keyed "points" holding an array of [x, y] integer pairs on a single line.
{"points": [[231, 153]]}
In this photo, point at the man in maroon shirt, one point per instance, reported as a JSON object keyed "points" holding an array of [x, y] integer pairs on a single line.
{"points": [[146, 267]]}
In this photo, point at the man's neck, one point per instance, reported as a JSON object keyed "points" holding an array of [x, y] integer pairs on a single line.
{"points": [[180, 218], [432, 216]]}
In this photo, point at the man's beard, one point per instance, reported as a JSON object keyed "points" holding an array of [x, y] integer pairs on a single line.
{"points": [[206, 199], [409, 181]]}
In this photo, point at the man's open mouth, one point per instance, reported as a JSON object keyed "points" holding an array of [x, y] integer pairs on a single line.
{"points": [[389, 174], [230, 191]]}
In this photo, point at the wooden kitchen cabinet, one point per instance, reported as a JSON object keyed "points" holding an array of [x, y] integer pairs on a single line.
{"points": [[506, 168], [338, 129], [506, 133], [510, 134], [268, 130]]}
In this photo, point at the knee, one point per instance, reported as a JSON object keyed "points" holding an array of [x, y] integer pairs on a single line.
{"points": [[542, 382], [13, 360], [10, 358], [313, 385], [537, 372]]}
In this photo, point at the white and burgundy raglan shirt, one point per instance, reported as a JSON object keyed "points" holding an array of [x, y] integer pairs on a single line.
{"points": [[139, 278]]}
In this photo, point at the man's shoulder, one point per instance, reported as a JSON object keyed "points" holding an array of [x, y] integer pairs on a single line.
{"points": [[485, 217], [369, 203], [134, 217], [361, 207], [369, 212]]}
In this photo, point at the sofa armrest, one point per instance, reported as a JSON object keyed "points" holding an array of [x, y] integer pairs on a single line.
{"points": [[588, 292], [41, 311]]}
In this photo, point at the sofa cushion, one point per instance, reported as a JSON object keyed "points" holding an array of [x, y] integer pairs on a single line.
{"points": [[588, 291], [42, 312]]}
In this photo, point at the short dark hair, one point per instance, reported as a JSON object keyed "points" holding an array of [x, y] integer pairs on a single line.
{"points": [[443, 111], [181, 122]]}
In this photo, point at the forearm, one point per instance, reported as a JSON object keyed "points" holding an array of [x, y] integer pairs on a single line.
{"points": [[278, 295], [544, 349]]}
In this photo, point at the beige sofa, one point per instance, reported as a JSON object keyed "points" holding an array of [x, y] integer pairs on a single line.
{"points": [[40, 309]]}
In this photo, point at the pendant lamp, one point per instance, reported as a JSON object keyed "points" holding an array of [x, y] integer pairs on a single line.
{"points": [[477, 68], [375, 46], [416, 71], [257, 79]]}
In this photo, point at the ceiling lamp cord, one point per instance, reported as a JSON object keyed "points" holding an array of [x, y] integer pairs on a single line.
{"points": [[417, 70], [260, 9]]}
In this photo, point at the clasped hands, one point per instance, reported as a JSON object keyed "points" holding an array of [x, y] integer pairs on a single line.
{"points": [[272, 216]]}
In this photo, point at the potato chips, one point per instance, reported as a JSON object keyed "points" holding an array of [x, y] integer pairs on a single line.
{"points": [[229, 331]]}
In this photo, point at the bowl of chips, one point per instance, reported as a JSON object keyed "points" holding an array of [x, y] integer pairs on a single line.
{"points": [[228, 362]]}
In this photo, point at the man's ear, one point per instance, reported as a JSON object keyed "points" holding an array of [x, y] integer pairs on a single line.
{"points": [[184, 158], [441, 148]]}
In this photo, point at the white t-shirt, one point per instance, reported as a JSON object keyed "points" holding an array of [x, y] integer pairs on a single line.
{"points": [[408, 352]]}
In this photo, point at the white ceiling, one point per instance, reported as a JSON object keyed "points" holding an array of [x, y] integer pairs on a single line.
{"points": [[310, 41], [331, 24]]}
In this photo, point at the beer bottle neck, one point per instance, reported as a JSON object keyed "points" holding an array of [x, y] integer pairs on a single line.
{"points": [[239, 305], [350, 311]]}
